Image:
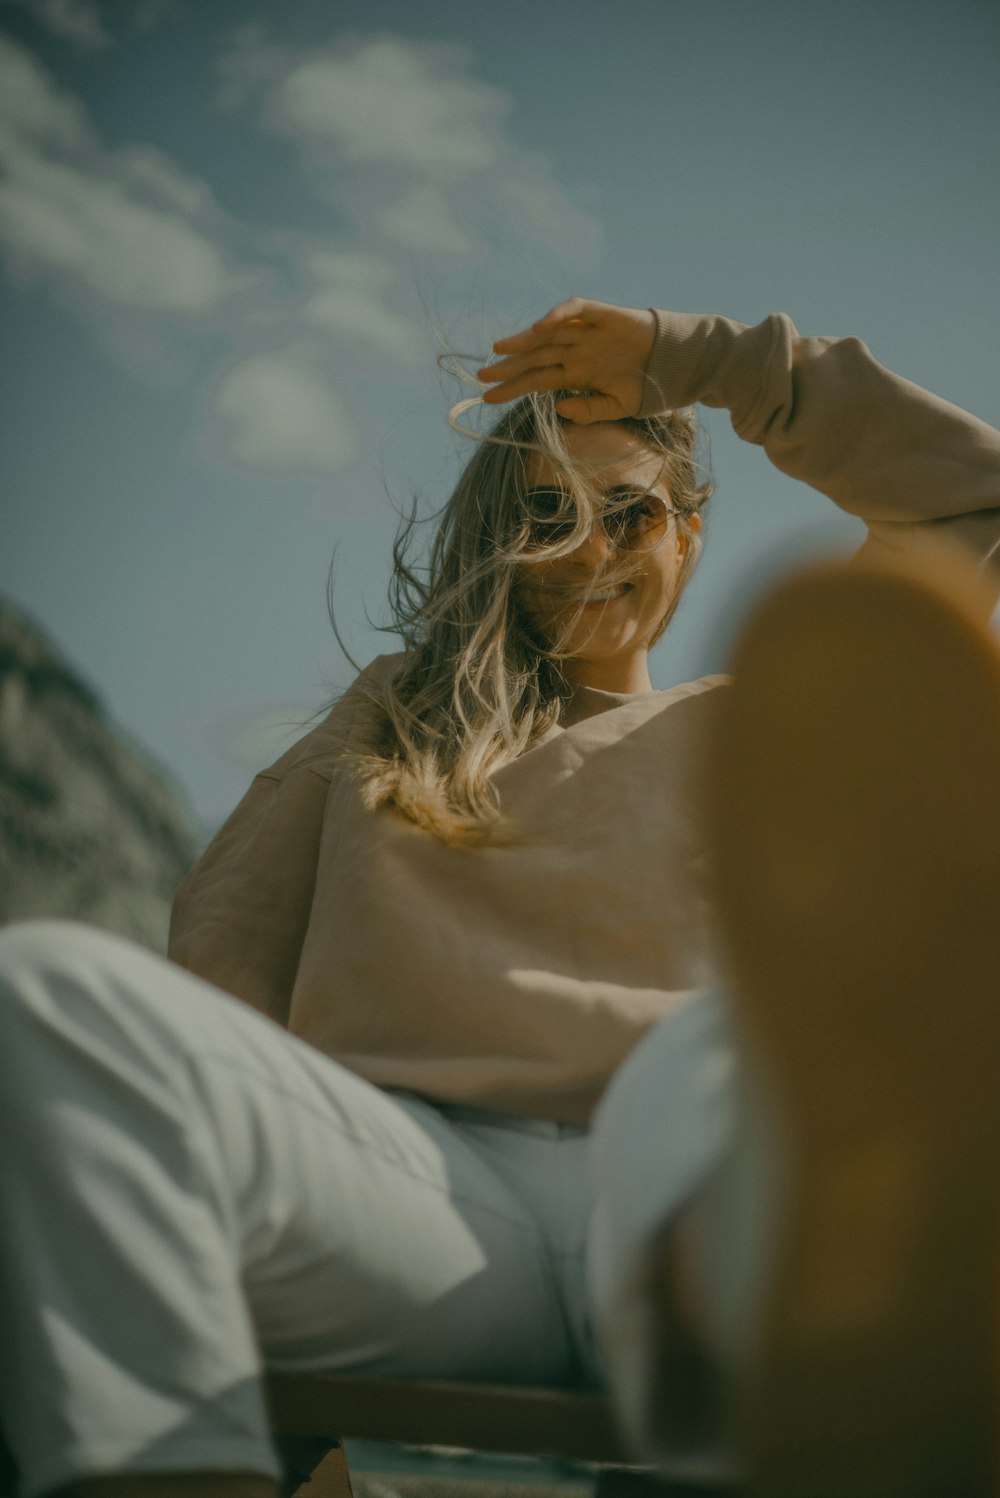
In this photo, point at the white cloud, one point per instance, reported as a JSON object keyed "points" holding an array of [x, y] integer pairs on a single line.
{"points": [[395, 102], [142, 239], [281, 413], [70, 221], [540, 211], [83, 22], [144, 16], [421, 220], [403, 136], [77, 21], [365, 273], [31, 103], [115, 223], [149, 173], [348, 303]]}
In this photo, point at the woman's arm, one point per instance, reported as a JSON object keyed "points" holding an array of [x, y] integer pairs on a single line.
{"points": [[824, 410], [240, 915]]}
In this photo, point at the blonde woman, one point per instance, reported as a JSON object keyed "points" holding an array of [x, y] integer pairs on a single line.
{"points": [[351, 1123]]}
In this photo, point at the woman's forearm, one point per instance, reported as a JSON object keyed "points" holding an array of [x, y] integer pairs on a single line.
{"points": [[826, 412]]}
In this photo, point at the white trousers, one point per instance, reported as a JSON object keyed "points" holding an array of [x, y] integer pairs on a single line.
{"points": [[190, 1194]]}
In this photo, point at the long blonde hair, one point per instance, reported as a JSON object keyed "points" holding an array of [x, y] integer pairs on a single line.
{"points": [[476, 687]]}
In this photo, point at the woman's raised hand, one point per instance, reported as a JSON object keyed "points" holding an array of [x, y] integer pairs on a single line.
{"points": [[592, 347]]}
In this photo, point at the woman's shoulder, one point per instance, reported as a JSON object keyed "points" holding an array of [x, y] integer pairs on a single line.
{"points": [[695, 688], [610, 717], [659, 699]]}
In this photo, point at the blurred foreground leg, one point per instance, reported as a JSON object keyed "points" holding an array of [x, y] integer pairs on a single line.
{"points": [[192, 1195], [853, 808]]}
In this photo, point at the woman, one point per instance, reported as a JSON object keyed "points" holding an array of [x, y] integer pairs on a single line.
{"points": [[458, 906]]}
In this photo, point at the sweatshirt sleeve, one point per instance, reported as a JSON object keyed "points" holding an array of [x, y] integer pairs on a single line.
{"points": [[240, 915], [826, 412]]}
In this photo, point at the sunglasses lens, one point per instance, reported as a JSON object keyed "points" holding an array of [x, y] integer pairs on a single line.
{"points": [[548, 521], [641, 524]]}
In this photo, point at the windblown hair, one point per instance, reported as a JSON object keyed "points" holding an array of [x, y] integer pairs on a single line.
{"points": [[477, 686]]}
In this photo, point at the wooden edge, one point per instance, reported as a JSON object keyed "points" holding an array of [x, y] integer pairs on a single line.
{"points": [[331, 1479], [479, 1417]]}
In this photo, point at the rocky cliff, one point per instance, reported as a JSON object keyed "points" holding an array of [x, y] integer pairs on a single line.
{"points": [[91, 828]]}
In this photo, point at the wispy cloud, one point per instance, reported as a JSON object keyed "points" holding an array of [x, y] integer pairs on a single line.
{"points": [[76, 21], [31, 104], [421, 220], [128, 232], [403, 136], [93, 231], [398, 103], [411, 148], [85, 23], [121, 224], [348, 302], [280, 412]]}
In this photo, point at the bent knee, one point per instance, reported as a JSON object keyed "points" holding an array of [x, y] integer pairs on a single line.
{"points": [[47, 962], [48, 941]]}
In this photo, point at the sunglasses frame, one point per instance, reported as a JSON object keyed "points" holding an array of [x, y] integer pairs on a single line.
{"points": [[619, 542]]}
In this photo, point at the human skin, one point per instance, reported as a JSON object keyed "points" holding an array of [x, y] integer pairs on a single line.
{"points": [[580, 345], [609, 644]]}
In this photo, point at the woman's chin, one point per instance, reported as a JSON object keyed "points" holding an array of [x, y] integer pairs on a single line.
{"points": [[600, 643]]}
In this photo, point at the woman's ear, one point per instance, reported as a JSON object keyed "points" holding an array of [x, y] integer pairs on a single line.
{"points": [[683, 538], [694, 521]]}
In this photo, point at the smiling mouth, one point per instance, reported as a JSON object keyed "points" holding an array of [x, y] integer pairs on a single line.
{"points": [[601, 598]]}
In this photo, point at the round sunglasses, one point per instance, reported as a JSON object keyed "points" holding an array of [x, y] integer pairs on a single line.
{"points": [[641, 522]]}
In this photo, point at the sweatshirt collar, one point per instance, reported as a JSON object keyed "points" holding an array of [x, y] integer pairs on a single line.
{"points": [[587, 702]]}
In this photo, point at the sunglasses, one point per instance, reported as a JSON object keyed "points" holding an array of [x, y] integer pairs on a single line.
{"points": [[639, 523]]}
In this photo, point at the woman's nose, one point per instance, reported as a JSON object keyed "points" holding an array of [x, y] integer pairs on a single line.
{"points": [[596, 549]]}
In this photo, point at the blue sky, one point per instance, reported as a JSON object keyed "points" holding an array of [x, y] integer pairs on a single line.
{"points": [[233, 236]]}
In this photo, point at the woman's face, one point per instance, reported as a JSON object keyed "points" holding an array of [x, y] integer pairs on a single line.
{"points": [[609, 643]]}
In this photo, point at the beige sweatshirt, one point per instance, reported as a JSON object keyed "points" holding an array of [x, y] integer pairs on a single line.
{"points": [[518, 978]]}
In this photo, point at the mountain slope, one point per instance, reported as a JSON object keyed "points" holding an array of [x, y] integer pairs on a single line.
{"points": [[91, 828]]}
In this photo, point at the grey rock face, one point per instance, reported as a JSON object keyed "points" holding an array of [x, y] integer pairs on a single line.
{"points": [[91, 829]]}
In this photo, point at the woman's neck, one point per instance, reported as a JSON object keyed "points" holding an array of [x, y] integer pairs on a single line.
{"points": [[629, 675]]}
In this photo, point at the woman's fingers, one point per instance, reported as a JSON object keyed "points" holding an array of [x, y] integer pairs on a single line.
{"points": [[568, 318], [583, 409], [532, 338], [516, 343], [574, 308], [532, 379], [547, 356], [578, 345]]}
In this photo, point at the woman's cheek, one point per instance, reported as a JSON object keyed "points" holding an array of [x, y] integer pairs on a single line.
{"points": [[536, 611], [534, 602]]}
